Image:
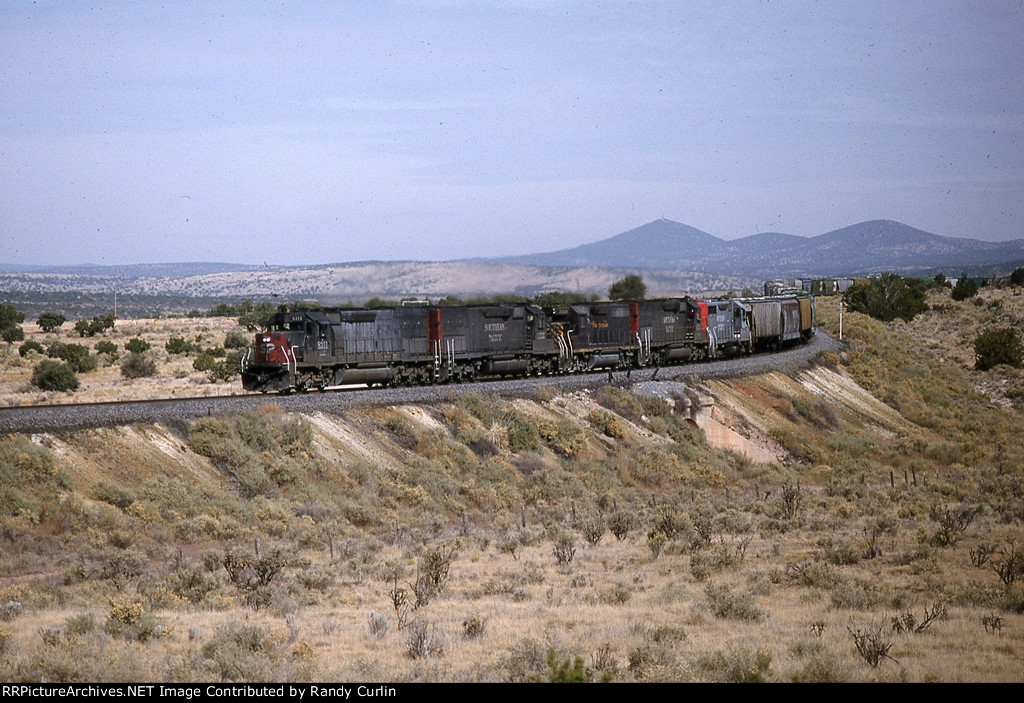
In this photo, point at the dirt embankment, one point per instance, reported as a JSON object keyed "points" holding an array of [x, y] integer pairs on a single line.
{"points": [[751, 416]]}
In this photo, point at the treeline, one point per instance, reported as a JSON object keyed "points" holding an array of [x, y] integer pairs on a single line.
{"points": [[80, 305], [253, 316], [890, 296]]}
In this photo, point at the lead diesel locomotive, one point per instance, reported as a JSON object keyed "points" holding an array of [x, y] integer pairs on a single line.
{"points": [[420, 345]]}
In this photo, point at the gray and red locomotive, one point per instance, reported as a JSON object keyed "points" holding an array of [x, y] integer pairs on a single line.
{"points": [[418, 345]]}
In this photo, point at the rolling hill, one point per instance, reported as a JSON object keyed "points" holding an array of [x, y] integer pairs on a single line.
{"points": [[865, 248]]}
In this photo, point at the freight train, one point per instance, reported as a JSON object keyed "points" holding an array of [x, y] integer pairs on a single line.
{"points": [[317, 349]]}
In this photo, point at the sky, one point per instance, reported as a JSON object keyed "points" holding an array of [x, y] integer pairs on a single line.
{"points": [[317, 132]]}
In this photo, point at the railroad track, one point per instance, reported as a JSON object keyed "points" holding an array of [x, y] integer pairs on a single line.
{"points": [[69, 417]]}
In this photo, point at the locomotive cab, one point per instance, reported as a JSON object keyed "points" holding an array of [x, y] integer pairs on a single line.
{"points": [[285, 331], [317, 340], [290, 338]]}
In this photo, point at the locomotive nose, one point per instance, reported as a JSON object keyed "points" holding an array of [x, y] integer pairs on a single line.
{"points": [[270, 348]]}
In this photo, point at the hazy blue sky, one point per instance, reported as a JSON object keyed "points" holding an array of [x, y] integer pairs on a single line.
{"points": [[292, 132]]}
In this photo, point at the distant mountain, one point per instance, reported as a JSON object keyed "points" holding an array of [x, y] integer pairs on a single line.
{"points": [[198, 268], [866, 248], [775, 240], [884, 245], [656, 245]]}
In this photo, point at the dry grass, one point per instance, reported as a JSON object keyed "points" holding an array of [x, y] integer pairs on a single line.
{"points": [[175, 375], [661, 633]]}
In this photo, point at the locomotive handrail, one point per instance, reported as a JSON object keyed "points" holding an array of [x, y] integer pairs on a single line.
{"points": [[287, 361], [644, 341], [291, 364]]}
